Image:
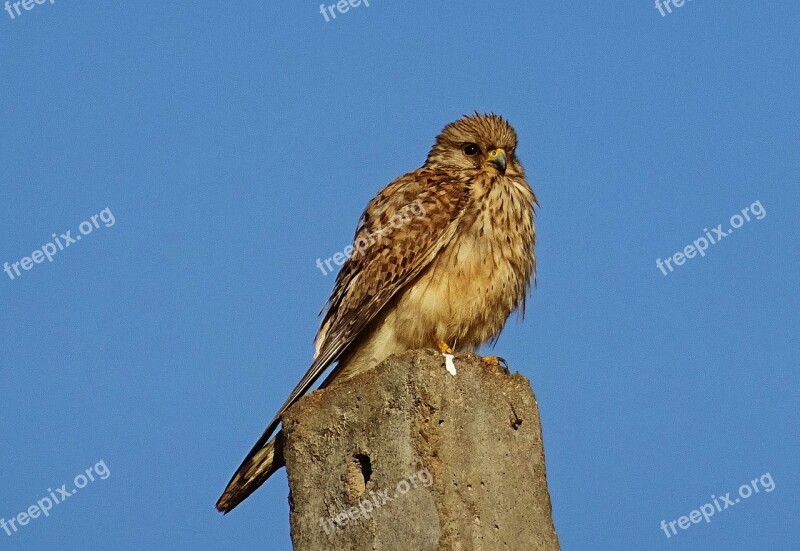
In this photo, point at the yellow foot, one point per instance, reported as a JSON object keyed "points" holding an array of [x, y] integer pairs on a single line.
{"points": [[443, 348], [495, 361]]}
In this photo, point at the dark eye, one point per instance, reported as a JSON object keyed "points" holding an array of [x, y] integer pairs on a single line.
{"points": [[471, 149]]}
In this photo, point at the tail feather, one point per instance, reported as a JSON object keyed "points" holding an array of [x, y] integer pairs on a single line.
{"points": [[266, 456], [252, 474]]}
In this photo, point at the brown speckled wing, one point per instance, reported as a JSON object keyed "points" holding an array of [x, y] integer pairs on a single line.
{"points": [[425, 206]]}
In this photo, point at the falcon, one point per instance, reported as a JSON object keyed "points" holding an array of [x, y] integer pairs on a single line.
{"points": [[448, 277]]}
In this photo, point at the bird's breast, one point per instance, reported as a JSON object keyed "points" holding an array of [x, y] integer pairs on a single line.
{"points": [[466, 294]]}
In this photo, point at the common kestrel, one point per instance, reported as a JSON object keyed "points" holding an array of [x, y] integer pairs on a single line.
{"points": [[449, 276]]}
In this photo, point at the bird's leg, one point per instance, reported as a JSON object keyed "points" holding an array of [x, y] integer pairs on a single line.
{"points": [[443, 348]]}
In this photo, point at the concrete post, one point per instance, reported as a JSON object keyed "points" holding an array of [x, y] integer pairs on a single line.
{"points": [[411, 457]]}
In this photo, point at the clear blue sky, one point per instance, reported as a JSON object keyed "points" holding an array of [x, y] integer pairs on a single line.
{"points": [[236, 143]]}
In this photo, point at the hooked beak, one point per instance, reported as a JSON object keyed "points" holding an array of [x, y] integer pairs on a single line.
{"points": [[498, 158]]}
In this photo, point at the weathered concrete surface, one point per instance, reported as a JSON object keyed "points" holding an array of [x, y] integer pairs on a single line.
{"points": [[469, 448]]}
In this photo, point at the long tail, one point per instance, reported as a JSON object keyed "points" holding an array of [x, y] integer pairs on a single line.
{"points": [[252, 474], [266, 456]]}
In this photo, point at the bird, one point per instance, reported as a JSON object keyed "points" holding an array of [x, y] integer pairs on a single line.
{"points": [[441, 257]]}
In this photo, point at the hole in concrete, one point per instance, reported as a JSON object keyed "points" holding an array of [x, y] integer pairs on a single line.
{"points": [[359, 471], [365, 465], [517, 420]]}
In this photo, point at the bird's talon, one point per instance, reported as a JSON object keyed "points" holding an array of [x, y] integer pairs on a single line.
{"points": [[496, 361]]}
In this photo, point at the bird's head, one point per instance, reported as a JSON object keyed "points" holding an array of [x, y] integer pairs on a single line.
{"points": [[477, 142]]}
